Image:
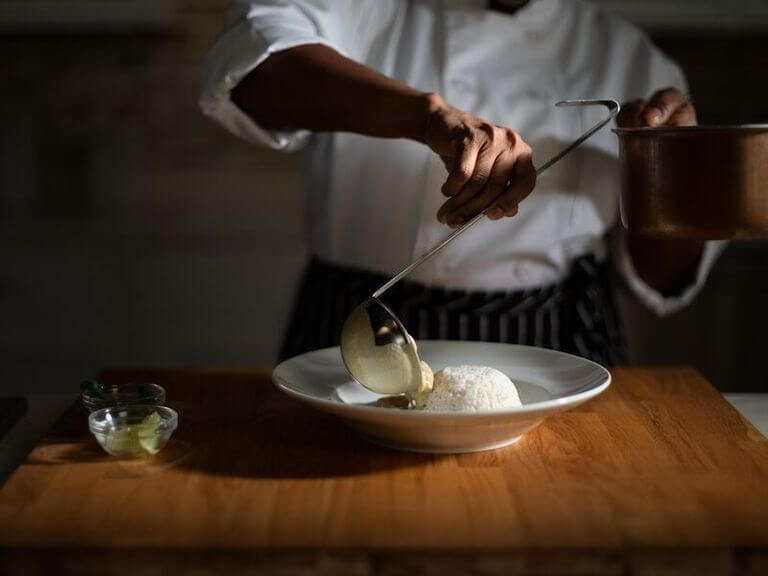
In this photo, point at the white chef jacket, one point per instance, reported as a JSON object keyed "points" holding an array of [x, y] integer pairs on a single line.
{"points": [[371, 203]]}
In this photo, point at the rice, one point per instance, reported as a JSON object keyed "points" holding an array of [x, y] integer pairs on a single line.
{"points": [[471, 389]]}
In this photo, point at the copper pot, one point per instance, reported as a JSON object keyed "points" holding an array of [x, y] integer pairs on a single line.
{"points": [[705, 182]]}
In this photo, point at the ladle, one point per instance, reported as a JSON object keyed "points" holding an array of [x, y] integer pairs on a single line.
{"points": [[376, 348]]}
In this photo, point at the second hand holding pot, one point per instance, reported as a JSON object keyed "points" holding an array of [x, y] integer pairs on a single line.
{"points": [[376, 348]]}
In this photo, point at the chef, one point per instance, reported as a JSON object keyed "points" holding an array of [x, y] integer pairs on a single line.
{"points": [[415, 115]]}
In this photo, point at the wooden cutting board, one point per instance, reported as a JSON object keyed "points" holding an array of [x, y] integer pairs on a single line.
{"points": [[659, 471]]}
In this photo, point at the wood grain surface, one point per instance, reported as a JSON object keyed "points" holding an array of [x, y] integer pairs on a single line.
{"points": [[658, 471]]}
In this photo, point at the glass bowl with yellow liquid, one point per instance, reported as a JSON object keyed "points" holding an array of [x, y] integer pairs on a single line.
{"points": [[134, 430]]}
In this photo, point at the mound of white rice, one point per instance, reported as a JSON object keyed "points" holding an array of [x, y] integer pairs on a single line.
{"points": [[471, 389]]}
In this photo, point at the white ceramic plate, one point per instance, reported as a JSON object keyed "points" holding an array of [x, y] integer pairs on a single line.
{"points": [[547, 382]]}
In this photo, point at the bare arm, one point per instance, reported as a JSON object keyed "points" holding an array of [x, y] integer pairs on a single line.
{"points": [[315, 88], [668, 266]]}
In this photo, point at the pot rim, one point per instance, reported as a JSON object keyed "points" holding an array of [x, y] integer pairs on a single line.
{"points": [[680, 130]]}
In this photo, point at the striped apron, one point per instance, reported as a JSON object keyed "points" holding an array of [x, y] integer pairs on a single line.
{"points": [[577, 315]]}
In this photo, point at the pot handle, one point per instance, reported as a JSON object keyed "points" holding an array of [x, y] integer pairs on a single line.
{"points": [[613, 109]]}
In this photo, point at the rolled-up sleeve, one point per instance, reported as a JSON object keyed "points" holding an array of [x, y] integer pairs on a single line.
{"points": [[255, 31], [653, 299]]}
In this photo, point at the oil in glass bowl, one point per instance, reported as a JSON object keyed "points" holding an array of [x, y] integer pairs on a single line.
{"points": [[133, 430]]}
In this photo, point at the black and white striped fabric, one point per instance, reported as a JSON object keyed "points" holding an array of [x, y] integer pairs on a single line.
{"points": [[576, 316]]}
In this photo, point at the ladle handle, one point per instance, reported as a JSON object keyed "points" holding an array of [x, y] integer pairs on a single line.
{"points": [[613, 109]]}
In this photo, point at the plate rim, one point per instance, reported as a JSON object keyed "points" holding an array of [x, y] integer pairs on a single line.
{"points": [[532, 407]]}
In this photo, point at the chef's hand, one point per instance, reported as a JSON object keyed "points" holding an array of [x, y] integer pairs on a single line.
{"points": [[490, 167], [668, 107]]}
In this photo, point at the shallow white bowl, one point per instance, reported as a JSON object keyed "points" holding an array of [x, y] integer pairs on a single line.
{"points": [[547, 381]]}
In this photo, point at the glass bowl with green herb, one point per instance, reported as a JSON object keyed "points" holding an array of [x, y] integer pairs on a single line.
{"points": [[133, 430], [96, 395]]}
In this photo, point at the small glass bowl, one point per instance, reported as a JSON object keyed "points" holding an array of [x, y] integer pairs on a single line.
{"points": [[133, 430], [96, 396]]}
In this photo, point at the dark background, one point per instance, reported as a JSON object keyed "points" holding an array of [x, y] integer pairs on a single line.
{"points": [[134, 232]]}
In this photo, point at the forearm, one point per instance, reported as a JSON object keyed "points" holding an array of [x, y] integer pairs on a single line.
{"points": [[667, 266], [313, 87]]}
